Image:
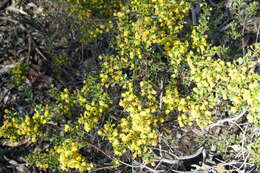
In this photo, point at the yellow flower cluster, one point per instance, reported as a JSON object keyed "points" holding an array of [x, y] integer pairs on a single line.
{"points": [[69, 156], [93, 112], [64, 103], [94, 16], [217, 83], [138, 130], [8, 129], [157, 22], [44, 159], [29, 127], [18, 74], [111, 71], [171, 98], [95, 102]]}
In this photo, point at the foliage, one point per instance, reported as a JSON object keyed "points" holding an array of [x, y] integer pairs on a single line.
{"points": [[254, 150], [70, 157], [60, 62], [18, 74], [163, 66], [93, 17], [243, 12], [45, 159]]}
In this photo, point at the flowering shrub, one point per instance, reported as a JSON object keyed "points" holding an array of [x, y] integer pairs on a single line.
{"points": [[139, 129], [30, 127], [94, 17], [163, 67], [69, 156]]}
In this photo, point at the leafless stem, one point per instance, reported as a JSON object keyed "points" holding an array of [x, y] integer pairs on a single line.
{"points": [[14, 8], [258, 30], [243, 37], [220, 122], [148, 168], [41, 54], [106, 167], [161, 94], [110, 157], [193, 12], [165, 151], [7, 68]]}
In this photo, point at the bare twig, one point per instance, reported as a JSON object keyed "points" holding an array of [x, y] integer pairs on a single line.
{"points": [[161, 94], [148, 168], [196, 154], [243, 39], [14, 8], [168, 145], [8, 19], [193, 12], [41, 54], [106, 167], [243, 142], [165, 151], [160, 146], [8, 68], [212, 3], [220, 122], [138, 165], [112, 158], [175, 171], [236, 165], [257, 33], [29, 45], [179, 160]]}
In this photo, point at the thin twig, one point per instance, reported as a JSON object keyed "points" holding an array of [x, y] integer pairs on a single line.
{"points": [[168, 152], [9, 19], [193, 12], [41, 54], [132, 166], [196, 154], [257, 34], [8, 68], [168, 145], [243, 142], [29, 46], [148, 168], [93, 146], [112, 158], [106, 167], [212, 3], [161, 94], [220, 122], [189, 171], [160, 146], [13, 8], [243, 39]]}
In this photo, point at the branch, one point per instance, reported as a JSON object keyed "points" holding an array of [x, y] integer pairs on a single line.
{"points": [[148, 168], [220, 122], [112, 158], [7, 68], [200, 151]]}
